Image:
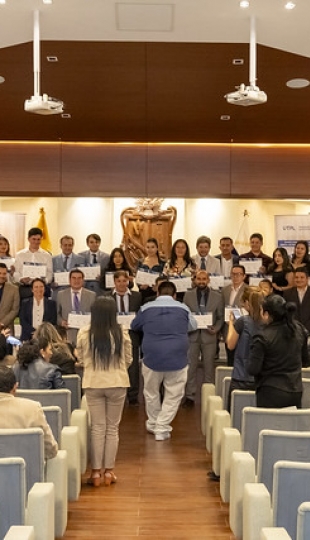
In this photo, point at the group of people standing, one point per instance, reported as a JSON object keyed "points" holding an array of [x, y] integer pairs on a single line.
{"points": [[173, 329]]}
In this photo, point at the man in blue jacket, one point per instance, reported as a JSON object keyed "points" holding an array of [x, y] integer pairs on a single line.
{"points": [[165, 324]]}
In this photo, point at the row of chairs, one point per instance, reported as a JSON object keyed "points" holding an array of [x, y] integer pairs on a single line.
{"points": [[44, 488], [223, 440]]}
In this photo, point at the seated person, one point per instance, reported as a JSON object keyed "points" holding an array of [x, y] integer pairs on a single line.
{"points": [[33, 370], [265, 285], [16, 412], [33, 311], [62, 356]]}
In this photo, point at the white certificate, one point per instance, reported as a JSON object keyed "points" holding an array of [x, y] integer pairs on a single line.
{"points": [[109, 280], [78, 320], [228, 310], [255, 281], [216, 282], [227, 281], [61, 278], [34, 270], [252, 266], [90, 272], [125, 319], [146, 278], [8, 261], [182, 284], [204, 320]]}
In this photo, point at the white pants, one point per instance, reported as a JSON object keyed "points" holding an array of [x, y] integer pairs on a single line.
{"points": [[161, 414]]}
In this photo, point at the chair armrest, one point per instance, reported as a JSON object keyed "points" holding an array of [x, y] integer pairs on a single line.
{"points": [[221, 420], [257, 512], [71, 443], [214, 403], [20, 532], [57, 472], [231, 442], [79, 418], [242, 471], [207, 389], [40, 511], [274, 533]]}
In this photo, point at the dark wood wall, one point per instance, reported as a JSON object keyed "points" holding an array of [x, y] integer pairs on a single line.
{"points": [[162, 170]]}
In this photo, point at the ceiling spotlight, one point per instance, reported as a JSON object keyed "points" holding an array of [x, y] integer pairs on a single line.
{"points": [[244, 3], [2, 1], [47, 1], [290, 5]]}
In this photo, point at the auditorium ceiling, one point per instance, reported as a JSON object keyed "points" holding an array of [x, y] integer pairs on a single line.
{"points": [[155, 70]]}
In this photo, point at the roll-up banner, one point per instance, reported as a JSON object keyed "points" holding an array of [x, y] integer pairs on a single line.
{"points": [[290, 229]]}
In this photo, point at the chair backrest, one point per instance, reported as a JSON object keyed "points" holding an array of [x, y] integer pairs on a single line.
{"points": [[225, 391], [255, 419], [60, 398], [220, 373], [239, 400], [12, 493], [303, 521], [274, 446], [291, 487], [305, 400], [53, 416], [28, 444], [73, 383]]}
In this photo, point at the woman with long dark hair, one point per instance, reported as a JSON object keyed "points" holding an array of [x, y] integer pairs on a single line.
{"points": [[300, 255], [105, 350], [239, 338], [281, 271], [117, 262], [278, 353], [151, 263], [180, 263]]}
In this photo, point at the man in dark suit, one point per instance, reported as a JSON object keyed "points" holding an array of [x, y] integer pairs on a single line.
{"points": [[202, 300], [9, 300], [128, 301], [300, 295], [75, 298], [226, 258]]}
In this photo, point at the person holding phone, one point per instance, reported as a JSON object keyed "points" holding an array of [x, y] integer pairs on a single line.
{"points": [[239, 337]]}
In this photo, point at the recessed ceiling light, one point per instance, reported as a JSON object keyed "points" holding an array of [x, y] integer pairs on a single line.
{"points": [[225, 117], [238, 61], [52, 58], [2, 79], [2, 1], [244, 3], [66, 115], [290, 5], [47, 1], [298, 83]]}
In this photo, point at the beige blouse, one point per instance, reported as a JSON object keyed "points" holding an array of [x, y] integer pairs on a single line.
{"points": [[115, 376]]}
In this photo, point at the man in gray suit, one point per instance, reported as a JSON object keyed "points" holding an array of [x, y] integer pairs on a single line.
{"points": [[75, 298], [93, 257], [203, 260], [202, 300], [9, 300], [66, 261], [232, 295]]}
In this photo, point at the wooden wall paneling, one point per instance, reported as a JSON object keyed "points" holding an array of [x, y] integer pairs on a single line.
{"points": [[188, 171], [104, 170], [30, 169], [266, 172]]}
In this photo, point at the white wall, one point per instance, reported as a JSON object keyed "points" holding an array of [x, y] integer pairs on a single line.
{"points": [[212, 217]]}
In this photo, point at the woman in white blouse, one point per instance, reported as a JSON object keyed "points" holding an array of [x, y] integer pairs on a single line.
{"points": [[106, 352]]}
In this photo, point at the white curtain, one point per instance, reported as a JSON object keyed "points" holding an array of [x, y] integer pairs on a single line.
{"points": [[12, 226]]}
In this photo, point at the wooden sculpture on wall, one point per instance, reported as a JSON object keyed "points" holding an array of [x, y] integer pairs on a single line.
{"points": [[147, 220]]}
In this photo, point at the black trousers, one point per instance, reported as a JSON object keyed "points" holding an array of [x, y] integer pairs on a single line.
{"points": [[274, 398]]}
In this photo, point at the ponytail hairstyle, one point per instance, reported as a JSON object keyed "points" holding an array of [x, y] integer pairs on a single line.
{"points": [[105, 334], [281, 311]]}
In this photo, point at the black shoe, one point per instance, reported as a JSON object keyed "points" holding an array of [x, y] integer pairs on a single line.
{"points": [[188, 403], [134, 403], [212, 476]]}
